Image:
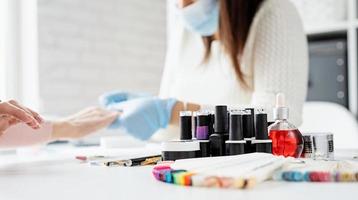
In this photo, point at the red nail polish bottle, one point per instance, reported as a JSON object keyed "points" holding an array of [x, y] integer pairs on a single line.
{"points": [[286, 139]]}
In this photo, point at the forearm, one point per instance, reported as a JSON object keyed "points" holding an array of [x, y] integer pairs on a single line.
{"points": [[21, 135], [60, 129]]}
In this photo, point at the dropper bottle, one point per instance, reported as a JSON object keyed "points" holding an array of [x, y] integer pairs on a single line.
{"points": [[286, 139]]}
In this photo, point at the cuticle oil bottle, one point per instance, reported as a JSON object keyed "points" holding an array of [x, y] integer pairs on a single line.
{"points": [[286, 139]]}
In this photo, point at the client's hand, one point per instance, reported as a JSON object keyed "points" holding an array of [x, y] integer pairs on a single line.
{"points": [[83, 123], [6, 122], [11, 113], [142, 117]]}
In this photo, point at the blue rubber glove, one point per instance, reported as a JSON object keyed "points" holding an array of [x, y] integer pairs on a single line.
{"points": [[114, 97], [142, 117]]}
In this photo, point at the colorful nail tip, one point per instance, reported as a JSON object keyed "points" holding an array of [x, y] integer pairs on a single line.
{"points": [[212, 181], [197, 180], [239, 183], [159, 171], [187, 179], [297, 176], [177, 175], [249, 183]]}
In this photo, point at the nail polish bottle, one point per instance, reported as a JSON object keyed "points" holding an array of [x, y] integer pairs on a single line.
{"points": [[261, 142], [248, 128], [236, 143], [217, 140], [286, 139], [202, 132], [185, 124]]}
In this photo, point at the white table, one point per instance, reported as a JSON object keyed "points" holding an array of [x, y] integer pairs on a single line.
{"points": [[55, 174]]}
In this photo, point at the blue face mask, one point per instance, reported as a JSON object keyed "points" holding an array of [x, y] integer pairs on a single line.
{"points": [[201, 17]]}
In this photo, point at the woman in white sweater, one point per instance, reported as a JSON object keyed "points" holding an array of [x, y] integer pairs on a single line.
{"points": [[233, 52]]}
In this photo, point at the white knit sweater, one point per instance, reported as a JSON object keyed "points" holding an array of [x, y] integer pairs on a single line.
{"points": [[275, 57]]}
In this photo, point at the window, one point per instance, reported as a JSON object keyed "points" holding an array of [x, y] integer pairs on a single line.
{"points": [[3, 24], [18, 51], [8, 49]]}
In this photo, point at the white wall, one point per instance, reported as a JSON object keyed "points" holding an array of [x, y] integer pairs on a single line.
{"points": [[3, 24], [87, 47]]}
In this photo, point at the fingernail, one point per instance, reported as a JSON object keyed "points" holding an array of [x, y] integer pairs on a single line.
{"points": [[36, 125], [41, 120]]}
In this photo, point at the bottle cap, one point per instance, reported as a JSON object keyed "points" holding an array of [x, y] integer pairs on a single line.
{"points": [[248, 124], [280, 111], [185, 125], [203, 118], [261, 132], [221, 119], [235, 128]]}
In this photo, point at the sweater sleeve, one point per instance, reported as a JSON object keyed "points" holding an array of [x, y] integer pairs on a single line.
{"points": [[280, 58], [21, 135]]}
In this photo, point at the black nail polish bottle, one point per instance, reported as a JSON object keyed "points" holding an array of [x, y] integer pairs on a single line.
{"points": [[220, 135], [248, 120], [236, 143], [262, 143]]}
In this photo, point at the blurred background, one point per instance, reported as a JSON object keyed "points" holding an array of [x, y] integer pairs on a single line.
{"points": [[58, 56]]}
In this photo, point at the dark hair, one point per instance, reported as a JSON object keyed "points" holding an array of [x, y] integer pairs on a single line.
{"points": [[235, 19]]}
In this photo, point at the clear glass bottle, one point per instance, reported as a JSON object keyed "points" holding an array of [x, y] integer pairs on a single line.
{"points": [[286, 139]]}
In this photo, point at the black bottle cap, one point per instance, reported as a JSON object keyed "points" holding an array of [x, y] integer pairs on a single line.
{"points": [[185, 125], [261, 126], [221, 119], [203, 118], [252, 110], [248, 126], [235, 128]]}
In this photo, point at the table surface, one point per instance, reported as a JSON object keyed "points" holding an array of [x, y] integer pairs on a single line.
{"points": [[53, 173]]}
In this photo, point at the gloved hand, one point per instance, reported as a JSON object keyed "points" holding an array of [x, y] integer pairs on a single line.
{"points": [[142, 117], [114, 97]]}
